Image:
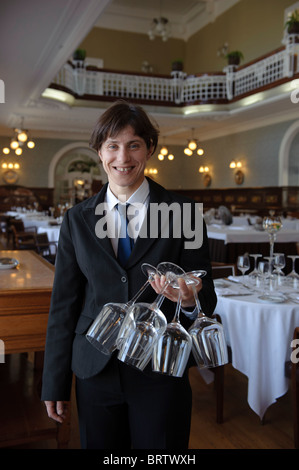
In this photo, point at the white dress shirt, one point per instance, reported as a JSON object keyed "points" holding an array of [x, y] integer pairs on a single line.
{"points": [[138, 202]]}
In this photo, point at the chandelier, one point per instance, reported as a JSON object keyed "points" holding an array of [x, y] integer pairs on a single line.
{"points": [[20, 137], [193, 145], [159, 27], [164, 152]]}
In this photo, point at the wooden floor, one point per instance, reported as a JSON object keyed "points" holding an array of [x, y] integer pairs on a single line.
{"points": [[241, 428]]}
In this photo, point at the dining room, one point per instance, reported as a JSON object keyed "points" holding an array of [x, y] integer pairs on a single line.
{"points": [[228, 140]]}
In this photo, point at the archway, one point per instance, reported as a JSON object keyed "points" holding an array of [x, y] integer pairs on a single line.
{"points": [[61, 162], [284, 154]]}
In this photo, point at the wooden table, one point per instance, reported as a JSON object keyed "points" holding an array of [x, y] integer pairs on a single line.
{"points": [[25, 294]]}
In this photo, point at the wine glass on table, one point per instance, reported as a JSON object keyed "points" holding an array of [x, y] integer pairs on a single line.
{"points": [[209, 346], [254, 273], [145, 323], [264, 272], [172, 350], [105, 329], [272, 224], [279, 263], [243, 264], [293, 276]]}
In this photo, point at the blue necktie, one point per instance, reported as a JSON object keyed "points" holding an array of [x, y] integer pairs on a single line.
{"points": [[125, 243]]}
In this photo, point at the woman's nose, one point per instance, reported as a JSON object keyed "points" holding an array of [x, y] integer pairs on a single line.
{"points": [[123, 154]]}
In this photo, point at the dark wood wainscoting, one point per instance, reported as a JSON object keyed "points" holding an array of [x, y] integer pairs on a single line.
{"points": [[253, 200]]}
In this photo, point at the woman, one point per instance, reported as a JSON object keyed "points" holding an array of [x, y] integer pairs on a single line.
{"points": [[118, 406]]}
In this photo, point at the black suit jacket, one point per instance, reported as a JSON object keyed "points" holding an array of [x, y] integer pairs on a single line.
{"points": [[88, 275]]}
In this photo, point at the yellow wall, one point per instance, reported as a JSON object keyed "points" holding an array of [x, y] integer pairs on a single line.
{"points": [[253, 26], [126, 51]]}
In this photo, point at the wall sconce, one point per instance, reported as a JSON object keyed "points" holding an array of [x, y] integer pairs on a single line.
{"points": [[239, 175], [207, 179], [151, 171], [10, 173]]}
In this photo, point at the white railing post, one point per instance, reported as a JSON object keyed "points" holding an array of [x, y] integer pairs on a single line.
{"points": [[178, 78], [230, 79], [291, 54]]}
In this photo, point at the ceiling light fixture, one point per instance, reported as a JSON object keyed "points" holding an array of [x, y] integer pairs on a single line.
{"points": [[20, 137], [192, 145], [160, 27]]}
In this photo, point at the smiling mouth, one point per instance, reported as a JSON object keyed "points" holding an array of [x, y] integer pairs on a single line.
{"points": [[124, 170]]}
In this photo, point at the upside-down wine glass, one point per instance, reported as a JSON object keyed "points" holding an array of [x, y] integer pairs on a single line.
{"points": [[293, 276], [104, 331], [254, 273], [279, 263], [243, 264], [272, 224], [209, 346], [264, 272], [144, 324], [172, 350]]}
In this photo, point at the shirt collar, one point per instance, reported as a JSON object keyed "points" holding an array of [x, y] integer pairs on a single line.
{"points": [[138, 197]]}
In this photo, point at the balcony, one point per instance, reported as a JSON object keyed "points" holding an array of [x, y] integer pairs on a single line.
{"points": [[77, 83]]}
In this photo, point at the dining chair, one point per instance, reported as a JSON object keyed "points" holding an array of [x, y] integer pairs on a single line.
{"points": [[220, 270], [21, 239], [45, 248], [292, 372]]}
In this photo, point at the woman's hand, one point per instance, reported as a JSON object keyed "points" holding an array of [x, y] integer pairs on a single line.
{"points": [[57, 410], [172, 294]]}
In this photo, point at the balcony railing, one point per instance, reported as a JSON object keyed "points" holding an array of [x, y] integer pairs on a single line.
{"points": [[180, 89]]}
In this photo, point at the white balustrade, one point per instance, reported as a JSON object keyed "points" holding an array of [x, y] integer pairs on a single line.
{"points": [[180, 88]]}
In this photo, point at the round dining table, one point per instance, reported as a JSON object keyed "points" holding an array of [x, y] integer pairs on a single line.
{"points": [[259, 333]]}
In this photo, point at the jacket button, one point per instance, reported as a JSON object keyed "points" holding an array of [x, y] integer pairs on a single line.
{"points": [[123, 279]]}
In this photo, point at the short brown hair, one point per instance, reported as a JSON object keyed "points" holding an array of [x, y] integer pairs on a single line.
{"points": [[119, 115]]}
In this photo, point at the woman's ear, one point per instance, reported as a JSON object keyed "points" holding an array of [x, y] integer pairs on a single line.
{"points": [[149, 152], [99, 154]]}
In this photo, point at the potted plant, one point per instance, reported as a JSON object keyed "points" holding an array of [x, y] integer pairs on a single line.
{"points": [[292, 23], [177, 65], [79, 54], [234, 57]]}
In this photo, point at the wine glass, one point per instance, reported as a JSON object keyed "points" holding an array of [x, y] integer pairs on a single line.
{"points": [[172, 350], [279, 263], [209, 346], [145, 323], [243, 264], [272, 224], [293, 277], [104, 331], [263, 274], [254, 273]]}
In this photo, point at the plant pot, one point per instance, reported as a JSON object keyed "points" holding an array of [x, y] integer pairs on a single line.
{"points": [[293, 29], [177, 66], [234, 61]]}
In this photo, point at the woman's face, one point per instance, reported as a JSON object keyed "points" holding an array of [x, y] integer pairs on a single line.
{"points": [[124, 158]]}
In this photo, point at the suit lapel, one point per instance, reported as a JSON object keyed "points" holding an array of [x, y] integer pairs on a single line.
{"points": [[91, 219]]}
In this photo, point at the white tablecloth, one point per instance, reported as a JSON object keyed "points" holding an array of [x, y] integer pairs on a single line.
{"points": [[52, 232], [247, 234], [32, 219], [260, 335]]}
